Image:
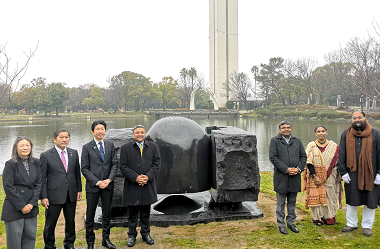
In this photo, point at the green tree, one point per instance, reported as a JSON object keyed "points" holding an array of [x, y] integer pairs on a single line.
{"points": [[96, 97], [269, 77], [58, 94], [42, 99], [120, 86], [166, 90]]}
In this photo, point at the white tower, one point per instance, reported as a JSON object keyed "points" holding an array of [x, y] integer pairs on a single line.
{"points": [[223, 46]]}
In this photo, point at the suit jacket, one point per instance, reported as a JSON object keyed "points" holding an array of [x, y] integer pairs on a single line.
{"points": [[284, 156], [20, 189], [55, 180], [132, 165], [94, 169]]}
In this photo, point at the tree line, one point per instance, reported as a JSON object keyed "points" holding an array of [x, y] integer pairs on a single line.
{"points": [[352, 71], [125, 91]]}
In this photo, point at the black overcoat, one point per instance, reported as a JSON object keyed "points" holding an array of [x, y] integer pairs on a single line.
{"points": [[284, 156], [20, 189], [132, 165], [354, 196]]}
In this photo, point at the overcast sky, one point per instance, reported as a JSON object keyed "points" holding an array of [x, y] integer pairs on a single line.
{"points": [[89, 41]]}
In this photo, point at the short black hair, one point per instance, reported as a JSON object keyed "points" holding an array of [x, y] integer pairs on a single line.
{"points": [[137, 126], [56, 133], [315, 129], [284, 123], [95, 123]]}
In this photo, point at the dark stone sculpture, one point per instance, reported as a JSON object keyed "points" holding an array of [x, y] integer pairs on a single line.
{"points": [[193, 161], [237, 174], [185, 152]]}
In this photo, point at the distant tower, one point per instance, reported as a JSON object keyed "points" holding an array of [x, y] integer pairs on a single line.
{"points": [[223, 45]]}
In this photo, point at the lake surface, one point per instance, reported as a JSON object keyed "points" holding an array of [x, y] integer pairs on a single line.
{"points": [[41, 132]]}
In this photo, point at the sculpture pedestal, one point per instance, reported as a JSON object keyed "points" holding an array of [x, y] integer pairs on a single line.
{"points": [[205, 211]]}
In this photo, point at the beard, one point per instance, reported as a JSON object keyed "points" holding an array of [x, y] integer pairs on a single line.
{"points": [[359, 125]]}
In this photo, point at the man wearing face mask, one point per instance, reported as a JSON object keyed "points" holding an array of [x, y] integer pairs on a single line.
{"points": [[359, 158]]}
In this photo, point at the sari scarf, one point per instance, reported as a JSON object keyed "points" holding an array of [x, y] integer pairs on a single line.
{"points": [[323, 165]]}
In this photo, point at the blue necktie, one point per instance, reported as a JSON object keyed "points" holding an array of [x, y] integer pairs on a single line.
{"points": [[101, 149]]}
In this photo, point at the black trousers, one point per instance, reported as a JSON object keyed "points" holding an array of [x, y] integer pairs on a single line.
{"points": [[92, 202], [133, 212], [51, 218]]}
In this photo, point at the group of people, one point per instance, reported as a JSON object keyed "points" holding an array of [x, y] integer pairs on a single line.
{"points": [[55, 178], [324, 164]]}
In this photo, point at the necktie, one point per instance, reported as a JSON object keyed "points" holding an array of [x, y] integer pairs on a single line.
{"points": [[141, 149], [64, 160], [101, 149]]}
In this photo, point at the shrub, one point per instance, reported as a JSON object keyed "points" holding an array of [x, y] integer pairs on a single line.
{"points": [[263, 111], [275, 107]]}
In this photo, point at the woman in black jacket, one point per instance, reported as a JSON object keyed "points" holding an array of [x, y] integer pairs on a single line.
{"points": [[22, 186]]}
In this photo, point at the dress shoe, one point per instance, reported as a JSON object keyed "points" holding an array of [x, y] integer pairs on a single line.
{"points": [[293, 228], [90, 245], [367, 232], [283, 230], [148, 239], [131, 241], [69, 247], [107, 243], [348, 229]]}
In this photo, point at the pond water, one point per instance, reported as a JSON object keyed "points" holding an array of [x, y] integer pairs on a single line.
{"points": [[41, 132]]}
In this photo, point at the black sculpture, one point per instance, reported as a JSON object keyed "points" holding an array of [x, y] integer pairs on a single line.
{"points": [[193, 162]]}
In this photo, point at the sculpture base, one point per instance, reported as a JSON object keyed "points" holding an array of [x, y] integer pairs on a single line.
{"points": [[192, 208]]}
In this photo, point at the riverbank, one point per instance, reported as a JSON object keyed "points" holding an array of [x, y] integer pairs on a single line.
{"points": [[255, 233], [301, 112], [76, 115]]}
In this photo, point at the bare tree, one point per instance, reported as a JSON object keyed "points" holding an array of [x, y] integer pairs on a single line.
{"points": [[10, 75], [302, 70], [364, 57], [239, 86], [189, 80]]}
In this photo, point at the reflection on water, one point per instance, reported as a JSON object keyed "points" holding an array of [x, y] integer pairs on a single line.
{"points": [[41, 132]]}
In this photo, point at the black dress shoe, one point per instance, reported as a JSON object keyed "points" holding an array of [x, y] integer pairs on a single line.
{"points": [[131, 241], [90, 245], [148, 239], [283, 230], [69, 247], [293, 228], [107, 243]]}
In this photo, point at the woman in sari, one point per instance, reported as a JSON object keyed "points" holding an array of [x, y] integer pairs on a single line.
{"points": [[321, 180]]}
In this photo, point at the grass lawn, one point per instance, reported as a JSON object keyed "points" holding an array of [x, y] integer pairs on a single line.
{"points": [[256, 233]]}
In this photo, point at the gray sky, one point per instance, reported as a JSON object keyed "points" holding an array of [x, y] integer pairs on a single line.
{"points": [[86, 41]]}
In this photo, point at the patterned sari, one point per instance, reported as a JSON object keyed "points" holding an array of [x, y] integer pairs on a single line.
{"points": [[322, 199]]}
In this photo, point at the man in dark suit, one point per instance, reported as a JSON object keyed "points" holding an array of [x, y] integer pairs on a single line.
{"points": [[288, 157], [61, 188], [139, 163], [99, 167]]}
